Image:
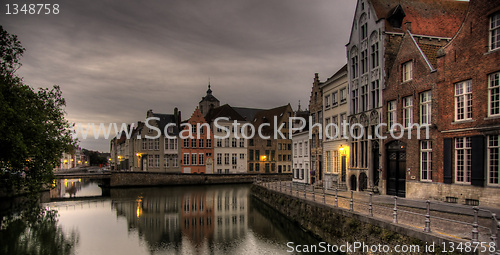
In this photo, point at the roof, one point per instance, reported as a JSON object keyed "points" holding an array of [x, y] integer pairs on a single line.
{"points": [[209, 97], [440, 18], [301, 114], [223, 111], [164, 120], [267, 116], [334, 76], [247, 113], [429, 51]]}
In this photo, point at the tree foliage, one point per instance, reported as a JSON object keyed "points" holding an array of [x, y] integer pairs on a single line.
{"points": [[33, 130]]}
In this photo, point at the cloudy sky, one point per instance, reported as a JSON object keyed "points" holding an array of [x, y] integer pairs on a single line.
{"points": [[114, 60]]}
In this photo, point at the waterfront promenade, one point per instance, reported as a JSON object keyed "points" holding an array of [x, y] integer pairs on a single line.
{"points": [[458, 223]]}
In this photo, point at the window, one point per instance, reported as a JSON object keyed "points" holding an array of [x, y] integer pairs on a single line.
{"points": [[463, 165], [174, 161], [494, 94], [463, 100], [364, 97], [186, 159], [425, 108], [186, 143], [268, 143], [364, 31], [150, 160], [201, 143], [354, 100], [407, 111], [335, 98], [329, 164], [219, 142], [374, 55], [209, 143], [250, 167], [157, 160], [343, 95], [327, 101], [336, 162], [193, 128], [343, 118], [300, 149], [219, 158], [173, 144], [226, 142], [391, 113], [250, 154], [234, 159], [151, 144], [165, 161], [295, 146], [201, 158], [242, 155], [144, 144], [495, 31], [242, 142], [193, 143], [193, 158], [257, 167], [257, 155], [493, 159], [226, 158], [354, 66], [364, 61], [375, 94], [233, 142], [407, 71], [425, 160]]}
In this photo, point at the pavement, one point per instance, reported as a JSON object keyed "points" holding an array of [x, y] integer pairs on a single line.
{"points": [[447, 219]]}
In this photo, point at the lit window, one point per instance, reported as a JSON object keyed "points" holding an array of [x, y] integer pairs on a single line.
{"points": [[463, 100]]}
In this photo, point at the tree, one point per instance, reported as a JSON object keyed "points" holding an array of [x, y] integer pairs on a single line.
{"points": [[33, 130]]}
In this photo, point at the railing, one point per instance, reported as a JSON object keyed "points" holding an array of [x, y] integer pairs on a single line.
{"points": [[428, 216]]}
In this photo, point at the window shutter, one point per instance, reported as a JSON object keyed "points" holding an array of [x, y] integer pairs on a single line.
{"points": [[447, 159], [477, 161]]}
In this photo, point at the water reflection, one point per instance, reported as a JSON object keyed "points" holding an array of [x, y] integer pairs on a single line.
{"points": [[34, 230], [69, 188], [219, 219]]}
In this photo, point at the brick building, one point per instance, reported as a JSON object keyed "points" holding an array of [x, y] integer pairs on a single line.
{"points": [[316, 143], [197, 151], [377, 31], [269, 155], [469, 109], [410, 97]]}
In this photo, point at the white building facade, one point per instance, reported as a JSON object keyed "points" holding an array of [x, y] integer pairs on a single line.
{"points": [[301, 157], [335, 145]]}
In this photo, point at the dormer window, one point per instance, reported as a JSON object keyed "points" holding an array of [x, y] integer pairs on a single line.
{"points": [[495, 31], [407, 70]]}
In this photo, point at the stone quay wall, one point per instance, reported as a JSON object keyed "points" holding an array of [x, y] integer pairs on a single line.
{"points": [[334, 224], [137, 179]]}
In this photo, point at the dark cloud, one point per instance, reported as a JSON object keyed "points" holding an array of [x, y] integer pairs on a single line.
{"points": [[114, 60]]}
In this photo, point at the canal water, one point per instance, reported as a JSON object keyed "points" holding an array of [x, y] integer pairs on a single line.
{"points": [[79, 218]]}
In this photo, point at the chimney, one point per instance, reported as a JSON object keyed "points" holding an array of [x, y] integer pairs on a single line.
{"points": [[408, 26]]}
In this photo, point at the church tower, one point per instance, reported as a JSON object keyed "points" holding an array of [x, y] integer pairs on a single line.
{"points": [[208, 102]]}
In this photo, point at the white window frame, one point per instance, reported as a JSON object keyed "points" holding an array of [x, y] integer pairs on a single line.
{"points": [[327, 101], [201, 159], [166, 161], [426, 108], [157, 160], [494, 27], [466, 151], [493, 148], [186, 159], [426, 166], [407, 71], [175, 161], [194, 159], [392, 115], [407, 111], [494, 94], [463, 95]]}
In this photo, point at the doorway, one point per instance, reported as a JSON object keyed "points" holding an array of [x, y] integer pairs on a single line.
{"points": [[396, 168]]}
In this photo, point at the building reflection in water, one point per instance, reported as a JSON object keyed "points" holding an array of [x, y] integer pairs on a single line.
{"points": [[201, 216], [64, 188]]}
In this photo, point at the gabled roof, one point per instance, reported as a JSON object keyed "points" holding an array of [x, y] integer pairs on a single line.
{"points": [[428, 52], [441, 18], [267, 116], [223, 111], [335, 76], [247, 113]]}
